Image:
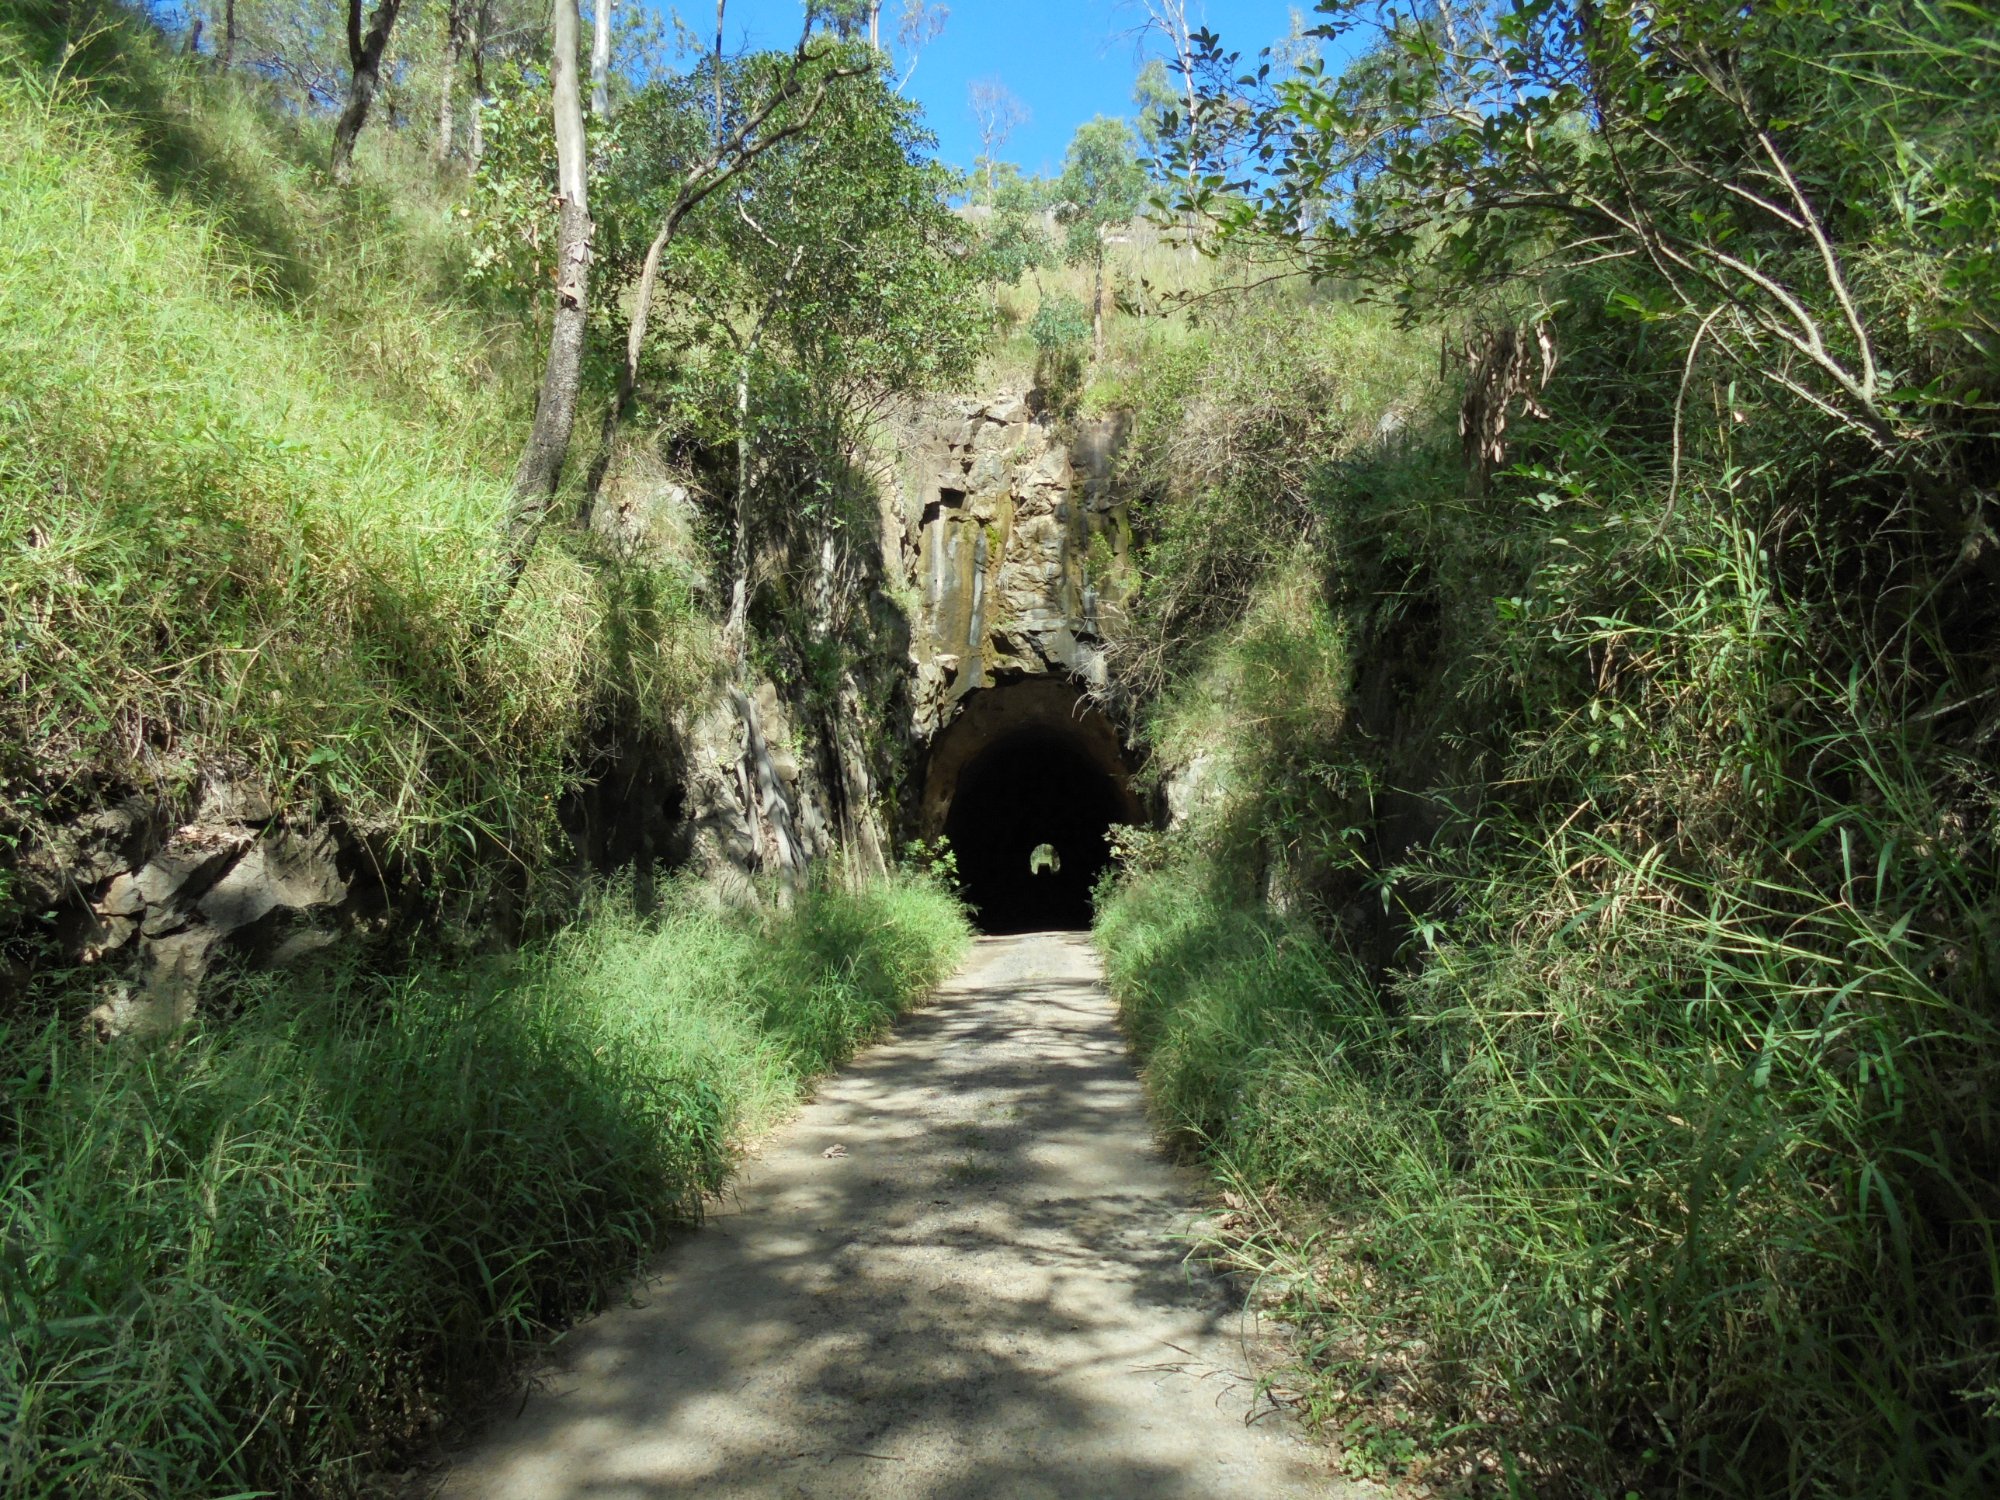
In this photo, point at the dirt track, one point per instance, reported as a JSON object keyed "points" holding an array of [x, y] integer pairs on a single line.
{"points": [[956, 1274]]}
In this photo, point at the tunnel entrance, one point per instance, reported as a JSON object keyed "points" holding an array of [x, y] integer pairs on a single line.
{"points": [[1026, 783]]}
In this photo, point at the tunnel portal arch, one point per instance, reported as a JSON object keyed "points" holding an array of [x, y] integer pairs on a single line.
{"points": [[1027, 764]]}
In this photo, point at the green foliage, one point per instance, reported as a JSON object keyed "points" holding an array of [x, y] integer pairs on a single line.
{"points": [[1590, 1002], [1236, 431], [836, 243], [275, 1253], [1159, 104], [509, 210], [935, 858], [820, 282], [250, 515], [1061, 331], [1735, 160], [1061, 325], [1102, 183], [1101, 187], [1014, 243]]}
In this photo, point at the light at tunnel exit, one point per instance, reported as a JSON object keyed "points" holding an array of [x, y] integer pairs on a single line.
{"points": [[1029, 820]]}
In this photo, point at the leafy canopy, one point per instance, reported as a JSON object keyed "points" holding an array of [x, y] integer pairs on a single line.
{"points": [[1102, 184]]}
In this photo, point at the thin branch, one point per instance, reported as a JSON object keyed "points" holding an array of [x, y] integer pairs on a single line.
{"points": [[1680, 406]]}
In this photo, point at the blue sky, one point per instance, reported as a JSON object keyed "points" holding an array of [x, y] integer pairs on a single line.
{"points": [[1066, 60]]}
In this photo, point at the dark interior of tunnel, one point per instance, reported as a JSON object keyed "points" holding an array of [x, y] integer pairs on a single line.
{"points": [[1033, 788]]}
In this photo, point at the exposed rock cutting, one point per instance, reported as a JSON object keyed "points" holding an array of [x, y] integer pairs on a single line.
{"points": [[1017, 545]]}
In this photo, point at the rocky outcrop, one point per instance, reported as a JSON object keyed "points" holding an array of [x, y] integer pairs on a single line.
{"points": [[1015, 545], [1004, 559], [151, 900]]}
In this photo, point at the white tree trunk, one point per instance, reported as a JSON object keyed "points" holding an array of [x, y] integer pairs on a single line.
{"points": [[600, 60], [541, 464]]}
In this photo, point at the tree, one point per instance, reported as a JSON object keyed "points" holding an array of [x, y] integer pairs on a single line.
{"points": [[917, 27], [996, 114], [790, 89], [1159, 105], [364, 56], [541, 462], [457, 32], [1102, 185], [600, 60], [1015, 240], [831, 257], [1155, 94], [1475, 145], [501, 29], [788, 96]]}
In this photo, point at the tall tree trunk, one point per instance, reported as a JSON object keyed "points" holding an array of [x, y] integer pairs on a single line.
{"points": [[600, 60], [736, 634], [364, 55], [1097, 308], [228, 34], [194, 37], [455, 28], [540, 469], [475, 142]]}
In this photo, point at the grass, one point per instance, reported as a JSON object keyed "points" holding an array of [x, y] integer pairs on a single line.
{"points": [[1547, 1223], [1150, 274], [274, 1255], [254, 440], [1575, 957]]}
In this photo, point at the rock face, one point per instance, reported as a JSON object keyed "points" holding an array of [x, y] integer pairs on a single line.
{"points": [[152, 903], [1005, 550], [1004, 560], [755, 802], [1016, 545]]}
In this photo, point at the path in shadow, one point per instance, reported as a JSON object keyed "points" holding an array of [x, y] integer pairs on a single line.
{"points": [[956, 1274]]}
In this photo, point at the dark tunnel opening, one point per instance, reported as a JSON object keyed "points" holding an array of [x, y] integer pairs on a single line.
{"points": [[1033, 788]]}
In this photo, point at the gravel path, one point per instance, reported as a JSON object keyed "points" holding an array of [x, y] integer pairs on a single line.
{"points": [[955, 1274]]}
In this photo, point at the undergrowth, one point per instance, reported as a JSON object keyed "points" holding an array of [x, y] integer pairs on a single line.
{"points": [[254, 445], [1576, 950], [270, 1256]]}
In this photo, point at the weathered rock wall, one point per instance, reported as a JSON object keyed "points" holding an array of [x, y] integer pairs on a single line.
{"points": [[1004, 557], [1005, 552], [1015, 545], [150, 898]]}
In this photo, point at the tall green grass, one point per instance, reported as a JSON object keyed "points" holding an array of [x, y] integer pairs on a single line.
{"points": [[1577, 956], [254, 440], [1648, 1205], [272, 1255]]}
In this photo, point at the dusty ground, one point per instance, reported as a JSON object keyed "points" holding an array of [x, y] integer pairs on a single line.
{"points": [[954, 1275]]}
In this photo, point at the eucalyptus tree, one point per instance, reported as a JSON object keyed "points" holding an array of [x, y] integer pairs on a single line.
{"points": [[996, 115], [540, 467], [477, 34], [458, 20], [1014, 240], [1102, 186], [600, 59], [783, 101], [1474, 144], [917, 26], [828, 277], [365, 46]]}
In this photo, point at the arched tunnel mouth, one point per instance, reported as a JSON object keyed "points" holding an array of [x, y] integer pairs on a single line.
{"points": [[1026, 785]]}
